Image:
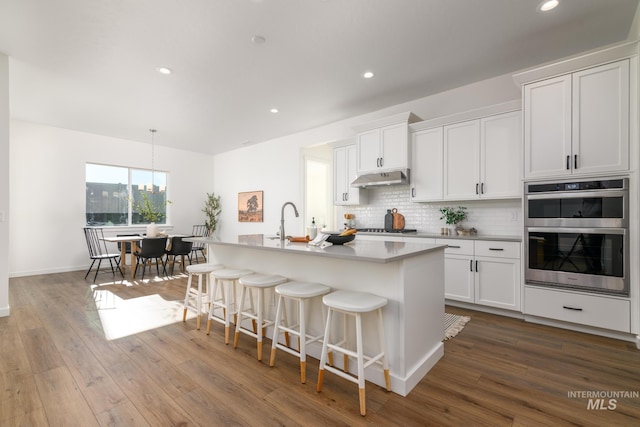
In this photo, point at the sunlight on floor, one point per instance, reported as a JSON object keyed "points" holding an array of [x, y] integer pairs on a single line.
{"points": [[123, 317]]}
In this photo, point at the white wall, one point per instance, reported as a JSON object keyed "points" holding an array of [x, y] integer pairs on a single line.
{"points": [[4, 185], [47, 203], [275, 166]]}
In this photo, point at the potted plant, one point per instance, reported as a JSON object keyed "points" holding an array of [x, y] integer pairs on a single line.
{"points": [[212, 211], [150, 213], [453, 216]]}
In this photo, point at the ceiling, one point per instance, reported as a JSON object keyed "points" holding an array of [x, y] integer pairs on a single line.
{"points": [[90, 65]]}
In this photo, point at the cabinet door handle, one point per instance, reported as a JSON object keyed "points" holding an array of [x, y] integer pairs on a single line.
{"points": [[471, 265], [571, 308], [496, 249], [482, 188], [453, 246], [568, 162], [476, 266], [575, 161], [476, 188], [413, 192], [381, 161], [346, 197]]}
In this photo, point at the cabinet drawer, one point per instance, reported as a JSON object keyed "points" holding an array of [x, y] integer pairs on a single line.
{"points": [[459, 247], [591, 310], [497, 249]]}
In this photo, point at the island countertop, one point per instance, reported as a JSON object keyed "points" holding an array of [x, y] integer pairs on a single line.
{"points": [[357, 250], [409, 275]]}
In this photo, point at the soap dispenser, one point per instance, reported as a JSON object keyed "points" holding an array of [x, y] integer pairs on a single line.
{"points": [[312, 230]]}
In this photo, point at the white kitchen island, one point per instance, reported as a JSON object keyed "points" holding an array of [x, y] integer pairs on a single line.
{"points": [[409, 275]]}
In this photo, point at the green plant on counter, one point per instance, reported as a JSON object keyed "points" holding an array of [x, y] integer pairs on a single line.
{"points": [[212, 210], [453, 216]]}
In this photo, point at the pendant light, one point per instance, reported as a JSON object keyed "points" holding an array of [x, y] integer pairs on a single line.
{"points": [[153, 156]]}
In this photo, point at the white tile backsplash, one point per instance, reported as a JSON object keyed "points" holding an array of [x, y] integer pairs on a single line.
{"points": [[492, 217]]}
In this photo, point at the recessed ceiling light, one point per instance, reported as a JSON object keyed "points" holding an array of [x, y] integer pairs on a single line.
{"points": [[258, 39], [164, 70], [367, 74], [547, 5], [274, 110]]}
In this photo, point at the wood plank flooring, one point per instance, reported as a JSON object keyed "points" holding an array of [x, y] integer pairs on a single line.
{"points": [[57, 369]]}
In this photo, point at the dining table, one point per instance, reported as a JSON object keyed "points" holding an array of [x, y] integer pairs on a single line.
{"points": [[135, 240]]}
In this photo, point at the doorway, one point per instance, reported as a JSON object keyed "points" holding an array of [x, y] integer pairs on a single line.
{"points": [[318, 177]]}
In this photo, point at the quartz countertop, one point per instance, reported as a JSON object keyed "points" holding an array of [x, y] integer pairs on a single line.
{"points": [[445, 236], [357, 250]]}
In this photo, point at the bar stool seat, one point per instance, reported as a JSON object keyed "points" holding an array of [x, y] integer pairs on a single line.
{"points": [[258, 283], [198, 270], [228, 277], [354, 304], [300, 292]]}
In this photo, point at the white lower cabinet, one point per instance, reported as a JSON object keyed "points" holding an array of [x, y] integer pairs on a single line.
{"points": [[482, 272], [584, 309]]}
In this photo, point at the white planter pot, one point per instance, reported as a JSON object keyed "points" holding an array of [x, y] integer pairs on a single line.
{"points": [[152, 230]]}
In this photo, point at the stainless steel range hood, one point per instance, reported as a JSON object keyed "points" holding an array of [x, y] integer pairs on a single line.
{"points": [[397, 177]]}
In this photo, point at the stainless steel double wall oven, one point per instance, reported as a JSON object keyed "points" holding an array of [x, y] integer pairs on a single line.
{"points": [[577, 235]]}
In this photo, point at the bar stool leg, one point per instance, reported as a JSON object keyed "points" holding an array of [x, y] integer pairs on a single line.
{"points": [[385, 363], [198, 301], [323, 355], [345, 357], [226, 295], [236, 338], [276, 325], [260, 322], [359, 351], [212, 298], [302, 342], [186, 297]]}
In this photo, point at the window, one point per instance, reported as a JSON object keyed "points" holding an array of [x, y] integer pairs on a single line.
{"points": [[114, 195]]}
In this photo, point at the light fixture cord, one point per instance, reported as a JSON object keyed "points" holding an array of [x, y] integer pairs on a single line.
{"points": [[153, 156]]}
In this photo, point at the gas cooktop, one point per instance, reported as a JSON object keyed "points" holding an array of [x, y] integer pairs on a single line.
{"points": [[382, 230]]}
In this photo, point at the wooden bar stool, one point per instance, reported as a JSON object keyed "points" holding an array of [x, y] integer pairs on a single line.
{"points": [[227, 277], [258, 283], [300, 292], [353, 304], [198, 270]]}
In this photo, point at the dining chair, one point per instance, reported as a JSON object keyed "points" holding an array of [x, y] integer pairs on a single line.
{"points": [[199, 231], [98, 251], [152, 248], [179, 248]]}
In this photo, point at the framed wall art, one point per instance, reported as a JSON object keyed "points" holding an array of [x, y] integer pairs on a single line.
{"points": [[250, 206]]}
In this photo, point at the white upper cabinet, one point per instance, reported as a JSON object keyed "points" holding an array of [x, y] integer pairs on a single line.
{"points": [[383, 145], [500, 156], [482, 158], [426, 165], [383, 149], [578, 123], [600, 131], [344, 173], [462, 160]]}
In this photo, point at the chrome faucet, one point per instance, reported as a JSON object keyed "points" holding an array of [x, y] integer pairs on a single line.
{"points": [[295, 210]]}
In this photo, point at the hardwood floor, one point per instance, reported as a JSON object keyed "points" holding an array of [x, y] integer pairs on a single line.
{"points": [[58, 369]]}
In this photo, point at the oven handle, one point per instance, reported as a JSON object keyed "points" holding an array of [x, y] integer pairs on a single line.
{"points": [[599, 230], [578, 194]]}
